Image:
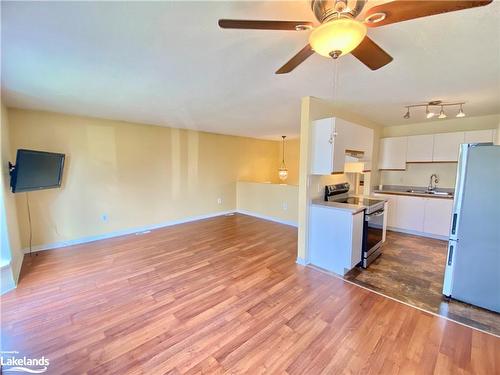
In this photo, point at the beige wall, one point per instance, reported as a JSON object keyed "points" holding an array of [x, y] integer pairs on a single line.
{"points": [[12, 244], [136, 175], [274, 201], [314, 109], [418, 174]]}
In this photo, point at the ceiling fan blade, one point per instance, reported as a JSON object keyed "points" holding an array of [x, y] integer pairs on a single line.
{"points": [[403, 10], [295, 61], [265, 25], [370, 54]]}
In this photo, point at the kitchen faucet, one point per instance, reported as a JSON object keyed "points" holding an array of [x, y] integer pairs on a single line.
{"points": [[434, 178]]}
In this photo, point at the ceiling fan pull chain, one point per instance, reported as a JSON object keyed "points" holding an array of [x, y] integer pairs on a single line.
{"points": [[335, 78]]}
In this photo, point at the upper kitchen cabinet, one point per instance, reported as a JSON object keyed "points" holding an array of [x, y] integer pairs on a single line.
{"points": [[446, 146], [480, 136], [392, 153], [331, 137], [420, 148]]}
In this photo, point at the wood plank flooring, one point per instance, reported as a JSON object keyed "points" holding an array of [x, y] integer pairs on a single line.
{"points": [[411, 269], [222, 295]]}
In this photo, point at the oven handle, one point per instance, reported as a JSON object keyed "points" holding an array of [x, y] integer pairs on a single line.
{"points": [[376, 213]]}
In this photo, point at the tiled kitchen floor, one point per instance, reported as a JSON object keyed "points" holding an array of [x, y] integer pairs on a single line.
{"points": [[411, 270]]}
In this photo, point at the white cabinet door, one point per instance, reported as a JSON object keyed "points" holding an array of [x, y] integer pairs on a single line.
{"points": [[322, 146], [437, 216], [357, 238], [392, 153], [410, 213], [446, 146], [479, 136], [392, 203], [420, 148]]}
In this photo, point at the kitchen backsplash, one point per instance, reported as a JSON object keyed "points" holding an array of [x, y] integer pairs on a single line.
{"points": [[418, 175]]}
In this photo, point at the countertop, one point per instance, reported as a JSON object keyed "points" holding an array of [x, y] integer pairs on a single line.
{"points": [[353, 208], [403, 190]]}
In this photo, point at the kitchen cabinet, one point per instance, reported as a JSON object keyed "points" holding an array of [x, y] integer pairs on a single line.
{"points": [[437, 216], [410, 213], [392, 202], [479, 136], [446, 146], [335, 238], [420, 148], [419, 215], [392, 153], [331, 137]]}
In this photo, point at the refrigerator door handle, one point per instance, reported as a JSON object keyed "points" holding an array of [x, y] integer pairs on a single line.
{"points": [[454, 224], [450, 255]]}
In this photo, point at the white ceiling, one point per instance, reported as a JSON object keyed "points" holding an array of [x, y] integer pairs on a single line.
{"points": [[168, 63]]}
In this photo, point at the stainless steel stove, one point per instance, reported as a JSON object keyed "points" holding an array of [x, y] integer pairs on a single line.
{"points": [[373, 229]]}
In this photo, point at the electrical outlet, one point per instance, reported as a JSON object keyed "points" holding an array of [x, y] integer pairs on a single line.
{"points": [[219, 200], [104, 218], [285, 206]]}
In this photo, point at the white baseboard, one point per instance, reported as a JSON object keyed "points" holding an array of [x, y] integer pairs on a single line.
{"points": [[416, 233], [265, 217], [56, 245], [302, 261]]}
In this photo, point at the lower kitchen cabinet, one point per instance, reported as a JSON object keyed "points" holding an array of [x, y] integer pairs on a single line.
{"points": [[419, 215], [437, 216], [335, 238], [410, 213]]}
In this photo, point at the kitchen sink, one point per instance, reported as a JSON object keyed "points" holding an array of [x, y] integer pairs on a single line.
{"points": [[430, 192]]}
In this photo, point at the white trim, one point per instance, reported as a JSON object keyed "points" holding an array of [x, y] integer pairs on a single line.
{"points": [[417, 233], [319, 269], [123, 232], [265, 217], [302, 261]]}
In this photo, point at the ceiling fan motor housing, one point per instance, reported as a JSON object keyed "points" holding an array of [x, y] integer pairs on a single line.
{"points": [[327, 10]]}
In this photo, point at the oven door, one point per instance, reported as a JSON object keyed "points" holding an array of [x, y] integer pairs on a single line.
{"points": [[373, 232]]}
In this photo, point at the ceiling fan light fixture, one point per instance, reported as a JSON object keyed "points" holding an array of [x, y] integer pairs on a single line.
{"points": [[337, 37]]}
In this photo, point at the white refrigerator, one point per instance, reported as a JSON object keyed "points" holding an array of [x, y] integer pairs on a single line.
{"points": [[472, 272]]}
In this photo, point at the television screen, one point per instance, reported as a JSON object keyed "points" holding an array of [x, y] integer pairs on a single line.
{"points": [[36, 170]]}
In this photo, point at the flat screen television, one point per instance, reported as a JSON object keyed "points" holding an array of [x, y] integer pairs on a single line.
{"points": [[36, 170]]}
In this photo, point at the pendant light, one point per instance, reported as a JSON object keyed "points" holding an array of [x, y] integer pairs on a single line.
{"points": [[461, 112], [283, 172]]}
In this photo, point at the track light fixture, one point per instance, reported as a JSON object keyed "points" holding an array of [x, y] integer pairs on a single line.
{"points": [[461, 112], [429, 113], [407, 114], [442, 114]]}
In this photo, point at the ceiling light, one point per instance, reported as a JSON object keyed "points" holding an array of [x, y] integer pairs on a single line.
{"points": [[407, 114], [337, 37], [428, 113], [442, 114], [461, 112]]}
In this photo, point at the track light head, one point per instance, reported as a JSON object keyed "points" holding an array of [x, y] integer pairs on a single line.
{"points": [[461, 112], [442, 114], [428, 113], [407, 114]]}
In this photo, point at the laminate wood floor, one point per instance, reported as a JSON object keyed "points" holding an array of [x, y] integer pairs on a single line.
{"points": [[222, 295], [411, 269]]}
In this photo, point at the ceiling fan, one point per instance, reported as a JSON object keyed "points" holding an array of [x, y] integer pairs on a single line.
{"points": [[340, 33]]}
